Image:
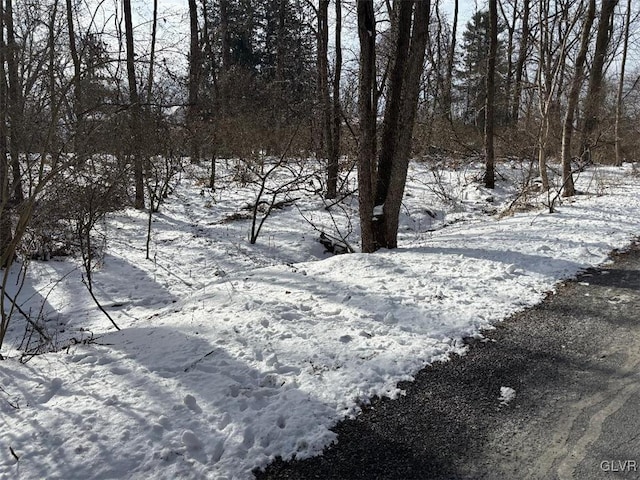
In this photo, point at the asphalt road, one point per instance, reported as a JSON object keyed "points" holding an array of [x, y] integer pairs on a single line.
{"points": [[574, 363]]}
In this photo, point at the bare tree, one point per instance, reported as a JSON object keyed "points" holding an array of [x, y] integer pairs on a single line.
{"points": [[623, 63], [451, 58], [553, 44], [595, 97], [194, 80], [489, 175], [520, 63], [134, 100], [14, 97], [572, 100], [367, 114], [5, 189], [510, 23], [152, 54], [324, 100], [379, 221], [77, 76], [334, 151]]}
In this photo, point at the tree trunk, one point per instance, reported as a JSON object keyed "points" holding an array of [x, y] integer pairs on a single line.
{"points": [[5, 190], [52, 62], [77, 81], [448, 84], [326, 140], [367, 114], [489, 176], [334, 151], [594, 96], [511, 28], [398, 129], [14, 107], [522, 58], [623, 62], [152, 54], [572, 100], [224, 35], [134, 100], [194, 81]]}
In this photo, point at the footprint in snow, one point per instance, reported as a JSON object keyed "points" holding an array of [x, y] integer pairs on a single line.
{"points": [[249, 438], [217, 451], [52, 389], [165, 422], [191, 440], [119, 370], [190, 402]]}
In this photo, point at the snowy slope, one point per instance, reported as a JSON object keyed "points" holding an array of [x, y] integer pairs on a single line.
{"points": [[232, 354]]}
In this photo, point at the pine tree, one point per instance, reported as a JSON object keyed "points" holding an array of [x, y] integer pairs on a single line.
{"points": [[472, 89]]}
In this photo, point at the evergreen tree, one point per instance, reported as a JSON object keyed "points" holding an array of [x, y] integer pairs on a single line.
{"points": [[473, 74]]}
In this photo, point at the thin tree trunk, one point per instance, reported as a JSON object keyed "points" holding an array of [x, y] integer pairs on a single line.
{"points": [[77, 80], [594, 96], [5, 194], [14, 104], [544, 87], [52, 58], [572, 100], [324, 100], [623, 62], [367, 114], [224, 35], [511, 28], [489, 176], [334, 151], [194, 81], [134, 100], [448, 99], [522, 58], [152, 54]]}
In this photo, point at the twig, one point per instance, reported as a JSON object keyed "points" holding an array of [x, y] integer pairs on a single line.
{"points": [[14, 453], [193, 364], [97, 302], [26, 316]]}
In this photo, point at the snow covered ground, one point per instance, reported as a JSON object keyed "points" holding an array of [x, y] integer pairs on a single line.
{"points": [[231, 354]]}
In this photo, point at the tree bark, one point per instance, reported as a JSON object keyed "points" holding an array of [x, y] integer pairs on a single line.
{"points": [[152, 54], [324, 100], [367, 114], [522, 58], [224, 35], [489, 175], [594, 96], [511, 28], [77, 80], [448, 84], [336, 121], [619, 94], [194, 81], [14, 107], [572, 100], [134, 100], [5, 188], [396, 142]]}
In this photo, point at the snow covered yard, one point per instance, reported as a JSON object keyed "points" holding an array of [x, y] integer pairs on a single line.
{"points": [[231, 354]]}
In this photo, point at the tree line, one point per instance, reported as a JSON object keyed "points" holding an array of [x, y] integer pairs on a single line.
{"points": [[95, 112]]}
